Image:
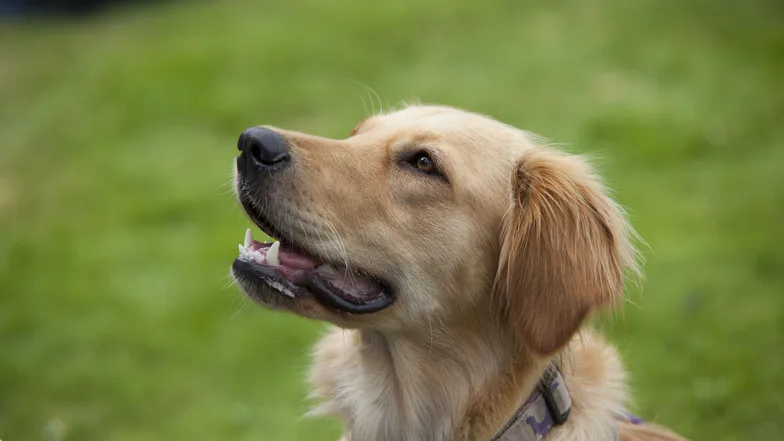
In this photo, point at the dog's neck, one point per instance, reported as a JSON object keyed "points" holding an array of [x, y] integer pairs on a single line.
{"points": [[435, 385], [434, 388], [395, 386]]}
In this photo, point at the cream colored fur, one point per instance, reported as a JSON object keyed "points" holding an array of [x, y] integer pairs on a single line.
{"points": [[400, 393], [496, 267]]}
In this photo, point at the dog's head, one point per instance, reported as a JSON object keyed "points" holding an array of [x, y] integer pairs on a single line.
{"points": [[427, 214]]}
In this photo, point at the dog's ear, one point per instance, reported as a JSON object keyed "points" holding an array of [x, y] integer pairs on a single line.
{"points": [[564, 252]]}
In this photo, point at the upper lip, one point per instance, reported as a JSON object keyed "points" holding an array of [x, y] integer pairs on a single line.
{"points": [[259, 217], [261, 221]]}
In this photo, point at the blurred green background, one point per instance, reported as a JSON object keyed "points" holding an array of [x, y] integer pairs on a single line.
{"points": [[117, 228]]}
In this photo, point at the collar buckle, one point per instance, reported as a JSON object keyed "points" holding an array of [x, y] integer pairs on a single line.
{"points": [[556, 397], [547, 406]]}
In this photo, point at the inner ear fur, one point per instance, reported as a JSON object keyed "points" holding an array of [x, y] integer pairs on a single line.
{"points": [[565, 249]]}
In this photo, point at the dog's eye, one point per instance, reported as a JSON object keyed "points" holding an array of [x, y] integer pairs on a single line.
{"points": [[424, 163]]}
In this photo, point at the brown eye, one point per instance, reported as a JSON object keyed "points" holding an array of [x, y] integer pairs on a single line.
{"points": [[424, 163]]}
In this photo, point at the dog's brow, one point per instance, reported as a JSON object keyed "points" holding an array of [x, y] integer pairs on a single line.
{"points": [[424, 138], [415, 140], [388, 155]]}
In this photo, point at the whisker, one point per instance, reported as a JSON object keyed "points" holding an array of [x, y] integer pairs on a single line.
{"points": [[372, 91], [430, 348], [342, 246], [244, 307], [364, 104]]}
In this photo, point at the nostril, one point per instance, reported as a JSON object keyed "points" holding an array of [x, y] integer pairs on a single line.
{"points": [[255, 153], [264, 147], [266, 154]]}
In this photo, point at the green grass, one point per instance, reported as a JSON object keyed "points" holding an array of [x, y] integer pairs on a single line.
{"points": [[116, 229]]}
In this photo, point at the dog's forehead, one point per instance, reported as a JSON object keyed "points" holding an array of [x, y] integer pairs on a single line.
{"points": [[472, 132], [435, 118]]}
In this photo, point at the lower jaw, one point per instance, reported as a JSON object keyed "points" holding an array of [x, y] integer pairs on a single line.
{"points": [[314, 289], [330, 299], [259, 287]]}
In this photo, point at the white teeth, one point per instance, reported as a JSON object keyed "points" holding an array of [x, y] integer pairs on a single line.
{"points": [[272, 254], [248, 238], [270, 257], [245, 254], [283, 289]]}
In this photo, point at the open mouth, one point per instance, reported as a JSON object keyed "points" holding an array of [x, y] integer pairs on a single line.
{"points": [[293, 273]]}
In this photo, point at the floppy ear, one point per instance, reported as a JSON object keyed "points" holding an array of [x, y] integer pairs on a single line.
{"points": [[565, 248]]}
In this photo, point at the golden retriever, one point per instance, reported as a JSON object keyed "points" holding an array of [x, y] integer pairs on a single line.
{"points": [[459, 258]]}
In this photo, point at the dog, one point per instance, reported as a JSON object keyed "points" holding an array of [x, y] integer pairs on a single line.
{"points": [[458, 259]]}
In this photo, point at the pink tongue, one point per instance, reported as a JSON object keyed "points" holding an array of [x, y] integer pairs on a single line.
{"points": [[294, 266], [294, 259], [287, 256], [298, 268]]}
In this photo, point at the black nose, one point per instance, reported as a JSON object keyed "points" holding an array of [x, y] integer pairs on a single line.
{"points": [[264, 148]]}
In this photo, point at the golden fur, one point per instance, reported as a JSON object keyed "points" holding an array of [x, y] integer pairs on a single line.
{"points": [[496, 267]]}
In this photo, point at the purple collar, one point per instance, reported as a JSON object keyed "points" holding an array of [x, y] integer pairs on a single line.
{"points": [[548, 406]]}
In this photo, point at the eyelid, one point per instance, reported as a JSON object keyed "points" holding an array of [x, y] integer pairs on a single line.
{"points": [[413, 151]]}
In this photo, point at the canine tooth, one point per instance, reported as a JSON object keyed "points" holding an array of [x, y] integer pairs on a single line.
{"points": [[272, 254], [257, 257], [248, 238]]}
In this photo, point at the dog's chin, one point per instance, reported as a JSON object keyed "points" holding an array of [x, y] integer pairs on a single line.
{"points": [[267, 289]]}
